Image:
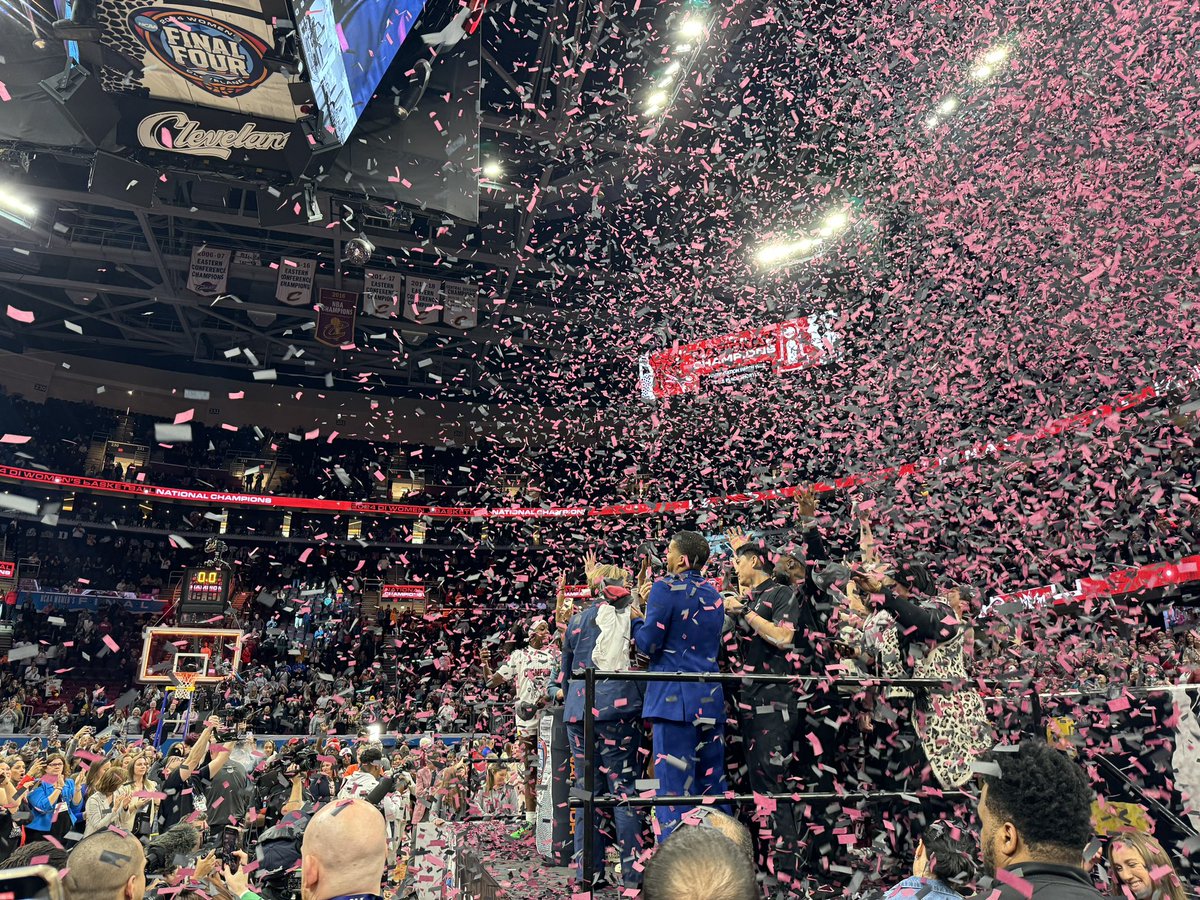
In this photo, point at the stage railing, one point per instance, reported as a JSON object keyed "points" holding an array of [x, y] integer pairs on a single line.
{"points": [[589, 802]]}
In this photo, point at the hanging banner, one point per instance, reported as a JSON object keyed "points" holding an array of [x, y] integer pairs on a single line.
{"points": [[381, 294], [294, 286], [208, 274], [336, 313], [461, 304], [422, 299]]}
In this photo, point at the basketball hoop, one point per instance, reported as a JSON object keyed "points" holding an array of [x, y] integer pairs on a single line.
{"points": [[185, 682]]}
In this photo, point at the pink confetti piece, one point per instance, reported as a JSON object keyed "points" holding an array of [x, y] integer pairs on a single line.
{"points": [[20, 315]]}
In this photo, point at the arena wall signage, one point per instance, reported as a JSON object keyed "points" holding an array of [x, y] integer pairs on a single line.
{"points": [[394, 593], [977, 452], [779, 348], [199, 55], [171, 130], [1122, 582], [8, 569]]}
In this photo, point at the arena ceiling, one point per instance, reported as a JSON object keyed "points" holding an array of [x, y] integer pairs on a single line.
{"points": [[563, 87]]}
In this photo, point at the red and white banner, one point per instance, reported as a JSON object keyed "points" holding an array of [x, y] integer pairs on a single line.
{"points": [[8, 569], [1078, 421], [576, 592], [391, 593], [1153, 576], [780, 348]]}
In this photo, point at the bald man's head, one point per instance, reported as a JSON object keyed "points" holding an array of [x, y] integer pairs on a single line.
{"points": [[344, 851], [107, 864]]}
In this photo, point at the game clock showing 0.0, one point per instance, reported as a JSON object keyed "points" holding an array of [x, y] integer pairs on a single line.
{"points": [[205, 589]]}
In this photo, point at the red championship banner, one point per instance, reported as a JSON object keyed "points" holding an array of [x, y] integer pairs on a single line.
{"points": [[1107, 412], [8, 569], [576, 592], [336, 313], [1122, 582]]}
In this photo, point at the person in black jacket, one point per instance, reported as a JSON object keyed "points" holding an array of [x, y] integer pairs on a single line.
{"points": [[1035, 816]]}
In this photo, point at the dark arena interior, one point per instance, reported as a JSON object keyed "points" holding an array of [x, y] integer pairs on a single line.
{"points": [[580, 449]]}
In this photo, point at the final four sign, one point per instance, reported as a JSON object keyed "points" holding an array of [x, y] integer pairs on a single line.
{"points": [[215, 56]]}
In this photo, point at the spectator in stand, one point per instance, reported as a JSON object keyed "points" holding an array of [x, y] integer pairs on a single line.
{"points": [[104, 807], [344, 854], [56, 802], [36, 853], [1035, 814], [189, 779], [680, 631], [1139, 865], [943, 867], [699, 864], [108, 865], [139, 788]]}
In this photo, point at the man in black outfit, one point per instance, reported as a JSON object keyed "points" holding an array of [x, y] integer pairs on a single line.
{"points": [[768, 713], [1035, 815]]}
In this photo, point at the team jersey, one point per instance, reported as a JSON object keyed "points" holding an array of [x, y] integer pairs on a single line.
{"points": [[529, 670]]}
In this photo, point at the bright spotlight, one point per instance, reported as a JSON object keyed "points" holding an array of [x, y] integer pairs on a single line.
{"points": [[691, 28], [838, 220], [670, 71], [947, 106], [16, 208], [492, 170], [995, 56], [771, 254], [655, 102], [982, 72], [374, 732]]}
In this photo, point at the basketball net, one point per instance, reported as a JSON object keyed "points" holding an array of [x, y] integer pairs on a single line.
{"points": [[185, 682]]}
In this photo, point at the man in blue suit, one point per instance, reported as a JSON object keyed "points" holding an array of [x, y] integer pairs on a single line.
{"points": [[680, 631], [598, 637]]}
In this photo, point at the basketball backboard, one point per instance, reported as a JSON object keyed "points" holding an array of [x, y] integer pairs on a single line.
{"points": [[210, 654]]}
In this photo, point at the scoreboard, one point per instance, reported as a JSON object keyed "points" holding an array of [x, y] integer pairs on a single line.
{"points": [[204, 590]]}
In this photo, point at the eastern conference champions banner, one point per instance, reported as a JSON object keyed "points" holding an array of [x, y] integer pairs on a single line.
{"points": [[295, 283], [381, 293], [336, 313], [208, 273]]}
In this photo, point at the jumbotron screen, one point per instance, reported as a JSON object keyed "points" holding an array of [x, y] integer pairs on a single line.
{"points": [[777, 349], [348, 46]]}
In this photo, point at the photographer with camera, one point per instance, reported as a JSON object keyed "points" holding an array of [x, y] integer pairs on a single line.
{"points": [[184, 782]]}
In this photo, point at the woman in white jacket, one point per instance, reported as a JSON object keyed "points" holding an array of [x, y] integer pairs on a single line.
{"points": [[104, 807]]}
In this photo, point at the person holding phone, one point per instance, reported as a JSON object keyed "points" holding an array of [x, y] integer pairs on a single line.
{"points": [[56, 803]]}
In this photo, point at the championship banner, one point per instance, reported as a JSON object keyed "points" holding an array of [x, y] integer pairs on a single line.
{"points": [[295, 283], [381, 294], [461, 304], [336, 313], [422, 299], [208, 274], [394, 593], [8, 569]]}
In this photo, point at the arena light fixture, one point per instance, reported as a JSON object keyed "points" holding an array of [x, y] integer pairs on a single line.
{"points": [[16, 208], [691, 28], [995, 56], [656, 102], [948, 106], [492, 170]]}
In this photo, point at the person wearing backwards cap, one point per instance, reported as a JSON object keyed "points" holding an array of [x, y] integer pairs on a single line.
{"points": [[598, 637], [529, 669]]}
